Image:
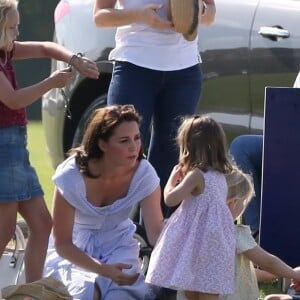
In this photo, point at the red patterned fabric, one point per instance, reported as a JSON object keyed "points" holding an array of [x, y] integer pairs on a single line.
{"points": [[10, 117]]}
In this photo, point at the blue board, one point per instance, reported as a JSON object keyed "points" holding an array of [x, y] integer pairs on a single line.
{"points": [[280, 211]]}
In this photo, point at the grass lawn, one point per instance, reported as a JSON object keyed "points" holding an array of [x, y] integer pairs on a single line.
{"points": [[40, 160]]}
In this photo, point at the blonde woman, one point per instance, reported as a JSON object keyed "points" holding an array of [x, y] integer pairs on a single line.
{"points": [[20, 190]]}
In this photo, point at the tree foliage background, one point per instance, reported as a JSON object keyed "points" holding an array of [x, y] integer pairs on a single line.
{"points": [[36, 24]]}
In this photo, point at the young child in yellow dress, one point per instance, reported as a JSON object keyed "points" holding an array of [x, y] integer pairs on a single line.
{"points": [[240, 191]]}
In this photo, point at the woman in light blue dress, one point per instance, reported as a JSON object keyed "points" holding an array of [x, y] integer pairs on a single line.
{"points": [[93, 251]]}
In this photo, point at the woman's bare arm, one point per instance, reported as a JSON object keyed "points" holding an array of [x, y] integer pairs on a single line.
{"points": [[152, 215], [107, 15], [63, 222]]}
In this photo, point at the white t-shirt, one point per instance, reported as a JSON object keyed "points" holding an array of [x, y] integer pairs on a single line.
{"points": [[163, 50]]}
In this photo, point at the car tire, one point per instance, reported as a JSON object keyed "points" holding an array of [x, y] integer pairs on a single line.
{"points": [[99, 102]]}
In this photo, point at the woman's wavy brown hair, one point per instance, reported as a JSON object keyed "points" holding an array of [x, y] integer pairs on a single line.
{"points": [[101, 126], [203, 145]]}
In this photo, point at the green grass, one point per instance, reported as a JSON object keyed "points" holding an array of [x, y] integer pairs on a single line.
{"points": [[41, 162], [269, 288]]}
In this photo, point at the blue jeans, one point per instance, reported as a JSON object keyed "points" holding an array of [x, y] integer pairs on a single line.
{"points": [[247, 153], [161, 98]]}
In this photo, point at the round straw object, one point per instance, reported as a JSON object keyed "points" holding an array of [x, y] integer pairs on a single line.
{"points": [[184, 15]]}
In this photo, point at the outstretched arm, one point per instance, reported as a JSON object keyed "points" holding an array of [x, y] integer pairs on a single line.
{"points": [[20, 98], [264, 276], [271, 263], [107, 15], [16, 99], [84, 65]]}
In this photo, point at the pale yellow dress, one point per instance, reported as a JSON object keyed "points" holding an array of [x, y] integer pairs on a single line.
{"points": [[246, 287]]}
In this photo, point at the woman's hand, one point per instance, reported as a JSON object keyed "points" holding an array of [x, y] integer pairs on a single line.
{"points": [[114, 272], [85, 66], [207, 16], [150, 17]]}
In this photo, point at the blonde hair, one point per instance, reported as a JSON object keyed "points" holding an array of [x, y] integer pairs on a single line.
{"points": [[202, 144], [5, 7], [240, 186]]}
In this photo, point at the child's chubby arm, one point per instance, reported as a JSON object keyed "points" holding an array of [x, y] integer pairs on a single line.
{"points": [[179, 187], [264, 276], [271, 263]]}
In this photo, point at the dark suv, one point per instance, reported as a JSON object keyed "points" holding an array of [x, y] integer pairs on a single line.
{"points": [[251, 45]]}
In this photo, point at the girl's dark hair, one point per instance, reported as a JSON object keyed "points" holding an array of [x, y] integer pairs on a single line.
{"points": [[203, 145], [101, 126]]}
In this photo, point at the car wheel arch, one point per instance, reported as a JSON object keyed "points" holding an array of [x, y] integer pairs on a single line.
{"points": [[82, 98], [100, 101]]}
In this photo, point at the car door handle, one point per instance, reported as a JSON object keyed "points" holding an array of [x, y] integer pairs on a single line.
{"points": [[274, 32]]}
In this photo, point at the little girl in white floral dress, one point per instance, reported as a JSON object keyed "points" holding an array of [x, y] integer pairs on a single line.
{"points": [[196, 249]]}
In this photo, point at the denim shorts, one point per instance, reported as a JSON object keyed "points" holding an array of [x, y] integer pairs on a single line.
{"points": [[18, 178]]}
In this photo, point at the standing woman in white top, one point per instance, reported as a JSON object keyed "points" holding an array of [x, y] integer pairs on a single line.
{"points": [[156, 69]]}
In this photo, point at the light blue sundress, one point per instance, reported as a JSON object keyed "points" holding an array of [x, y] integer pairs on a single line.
{"points": [[105, 233]]}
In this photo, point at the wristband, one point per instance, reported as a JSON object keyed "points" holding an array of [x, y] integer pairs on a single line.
{"points": [[78, 55]]}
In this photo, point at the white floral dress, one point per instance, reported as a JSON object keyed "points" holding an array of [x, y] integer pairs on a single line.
{"points": [[196, 249]]}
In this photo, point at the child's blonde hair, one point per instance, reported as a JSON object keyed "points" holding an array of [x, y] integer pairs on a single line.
{"points": [[5, 7], [203, 145], [240, 186]]}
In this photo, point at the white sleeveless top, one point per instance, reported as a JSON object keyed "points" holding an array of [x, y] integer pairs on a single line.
{"points": [[163, 50]]}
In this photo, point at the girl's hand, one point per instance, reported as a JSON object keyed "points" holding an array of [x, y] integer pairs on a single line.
{"points": [[150, 17], [85, 66], [296, 282], [176, 175], [295, 285], [114, 272], [61, 77]]}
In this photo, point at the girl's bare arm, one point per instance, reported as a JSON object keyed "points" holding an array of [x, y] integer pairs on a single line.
{"points": [[24, 50], [174, 193], [271, 263], [16, 99]]}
